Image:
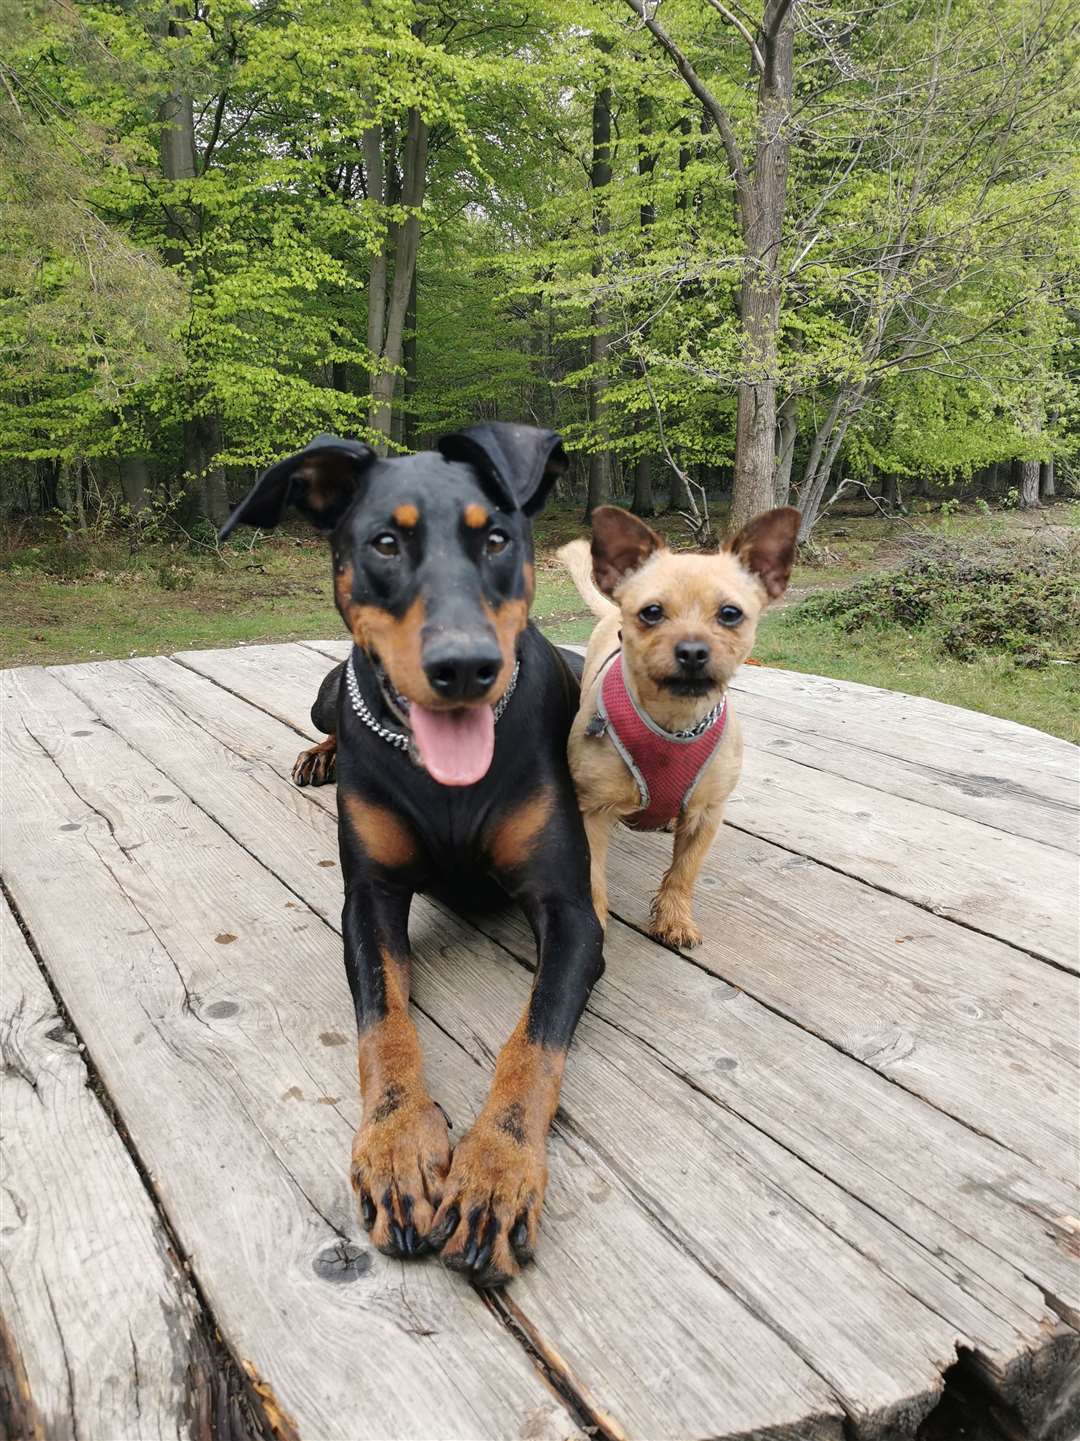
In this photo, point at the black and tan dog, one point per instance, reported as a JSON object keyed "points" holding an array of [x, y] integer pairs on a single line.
{"points": [[447, 730]]}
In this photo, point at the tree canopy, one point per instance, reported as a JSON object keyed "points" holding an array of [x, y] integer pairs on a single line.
{"points": [[757, 250]]}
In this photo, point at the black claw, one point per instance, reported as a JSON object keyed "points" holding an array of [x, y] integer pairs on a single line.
{"points": [[519, 1242], [413, 1244], [398, 1237], [446, 1228], [367, 1211]]}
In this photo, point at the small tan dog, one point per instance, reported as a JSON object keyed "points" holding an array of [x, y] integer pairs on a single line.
{"points": [[654, 743]]}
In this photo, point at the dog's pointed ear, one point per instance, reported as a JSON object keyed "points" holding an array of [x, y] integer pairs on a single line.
{"points": [[321, 481], [766, 547], [620, 544], [521, 462]]}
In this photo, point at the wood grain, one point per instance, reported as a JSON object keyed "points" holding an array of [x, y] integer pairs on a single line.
{"points": [[101, 1324], [212, 999], [601, 1250]]}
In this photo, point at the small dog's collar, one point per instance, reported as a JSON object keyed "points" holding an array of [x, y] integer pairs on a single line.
{"points": [[402, 740]]}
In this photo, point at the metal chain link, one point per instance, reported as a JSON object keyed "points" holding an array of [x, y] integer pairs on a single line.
{"points": [[401, 739]]}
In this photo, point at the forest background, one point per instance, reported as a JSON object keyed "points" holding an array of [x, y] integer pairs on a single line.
{"points": [[798, 252]]}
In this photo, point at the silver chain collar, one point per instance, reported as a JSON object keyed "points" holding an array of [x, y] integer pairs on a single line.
{"points": [[402, 739], [703, 724]]}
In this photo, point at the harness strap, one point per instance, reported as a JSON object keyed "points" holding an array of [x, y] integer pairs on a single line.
{"points": [[666, 767]]}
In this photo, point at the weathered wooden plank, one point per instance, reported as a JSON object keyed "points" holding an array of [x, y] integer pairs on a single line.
{"points": [[999, 884], [210, 996], [991, 1279], [102, 1328], [681, 1375], [923, 724], [954, 1221], [818, 1298], [979, 1029], [983, 1031], [953, 780]]}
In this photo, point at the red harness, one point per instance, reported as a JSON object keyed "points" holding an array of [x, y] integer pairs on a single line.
{"points": [[666, 766]]}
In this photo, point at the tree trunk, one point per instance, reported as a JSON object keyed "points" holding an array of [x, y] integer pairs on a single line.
{"points": [[599, 492], [134, 481], [1046, 479], [377, 272], [408, 426], [682, 200], [48, 478], [787, 418], [889, 493], [644, 503], [762, 212], [408, 239], [1029, 484], [679, 497]]}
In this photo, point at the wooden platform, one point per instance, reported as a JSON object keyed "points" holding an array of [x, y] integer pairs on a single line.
{"points": [[796, 1181]]}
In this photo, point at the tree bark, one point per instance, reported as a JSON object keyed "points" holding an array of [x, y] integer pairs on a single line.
{"points": [[644, 502], [414, 181], [1046, 479], [599, 492], [762, 214], [1029, 484], [372, 144], [134, 481], [760, 197], [409, 357], [787, 418]]}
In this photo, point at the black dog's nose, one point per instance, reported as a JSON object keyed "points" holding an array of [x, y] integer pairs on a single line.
{"points": [[692, 655], [460, 671]]}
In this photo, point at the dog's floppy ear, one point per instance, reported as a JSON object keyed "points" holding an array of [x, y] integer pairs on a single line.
{"points": [[522, 462], [321, 481], [766, 547], [620, 544]]}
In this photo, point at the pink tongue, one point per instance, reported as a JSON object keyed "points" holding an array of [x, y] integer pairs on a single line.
{"points": [[455, 746]]}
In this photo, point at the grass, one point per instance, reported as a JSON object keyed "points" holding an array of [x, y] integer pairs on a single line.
{"points": [[64, 601], [1048, 698]]}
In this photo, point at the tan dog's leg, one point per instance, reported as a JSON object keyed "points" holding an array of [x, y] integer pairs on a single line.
{"points": [[598, 825], [672, 908]]}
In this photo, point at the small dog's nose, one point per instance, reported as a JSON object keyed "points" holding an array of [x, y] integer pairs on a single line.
{"points": [[692, 655], [462, 672]]}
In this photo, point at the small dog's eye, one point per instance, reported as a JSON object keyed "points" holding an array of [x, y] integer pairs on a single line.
{"points": [[386, 544], [651, 614], [730, 615], [497, 541]]}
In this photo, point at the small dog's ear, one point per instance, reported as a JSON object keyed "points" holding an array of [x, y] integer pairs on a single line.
{"points": [[522, 462], [766, 547], [321, 481], [620, 544]]}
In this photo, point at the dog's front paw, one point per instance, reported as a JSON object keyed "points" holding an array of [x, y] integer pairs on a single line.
{"points": [[400, 1159], [318, 766], [490, 1215], [672, 922]]}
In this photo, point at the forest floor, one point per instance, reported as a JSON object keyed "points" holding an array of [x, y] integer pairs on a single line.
{"points": [[69, 600]]}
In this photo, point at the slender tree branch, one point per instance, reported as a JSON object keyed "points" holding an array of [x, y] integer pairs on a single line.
{"points": [[758, 58], [645, 11]]}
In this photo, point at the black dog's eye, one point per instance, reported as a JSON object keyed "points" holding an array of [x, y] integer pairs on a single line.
{"points": [[730, 615], [651, 614], [497, 541], [386, 544]]}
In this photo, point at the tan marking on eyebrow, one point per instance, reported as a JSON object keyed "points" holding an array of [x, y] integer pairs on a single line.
{"points": [[476, 517], [407, 516]]}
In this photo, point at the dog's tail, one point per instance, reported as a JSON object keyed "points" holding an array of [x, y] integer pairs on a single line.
{"points": [[577, 557]]}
